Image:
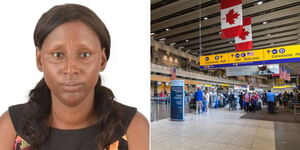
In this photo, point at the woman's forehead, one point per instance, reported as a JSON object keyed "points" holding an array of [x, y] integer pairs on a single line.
{"points": [[74, 32]]}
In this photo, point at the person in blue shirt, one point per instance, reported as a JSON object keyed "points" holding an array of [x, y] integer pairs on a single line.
{"points": [[199, 100], [270, 100]]}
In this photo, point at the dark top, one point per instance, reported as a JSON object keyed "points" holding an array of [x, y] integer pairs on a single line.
{"points": [[79, 139]]}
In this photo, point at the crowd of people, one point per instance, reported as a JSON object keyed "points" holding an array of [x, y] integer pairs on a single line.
{"points": [[247, 101], [284, 99]]}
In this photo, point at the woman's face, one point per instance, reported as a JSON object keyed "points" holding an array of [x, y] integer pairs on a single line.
{"points": [[71, 58]]}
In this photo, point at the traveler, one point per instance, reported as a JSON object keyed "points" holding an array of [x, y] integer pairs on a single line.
{"points": [[232, 102], [199, 100], [220, 98], [207, 100], [270, 100], [241, 100], [247, 100], [285, 100]]}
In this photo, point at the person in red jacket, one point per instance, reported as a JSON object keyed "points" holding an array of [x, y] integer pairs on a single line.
{"points": [[247, 100]]}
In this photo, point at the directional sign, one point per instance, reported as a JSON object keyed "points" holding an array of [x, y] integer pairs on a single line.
{"points": [[246, 56], [273, 55], [214, 59], [286, 52]]}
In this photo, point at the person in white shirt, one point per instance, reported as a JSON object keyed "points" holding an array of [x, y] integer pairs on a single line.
{"points": [[207, 98]]}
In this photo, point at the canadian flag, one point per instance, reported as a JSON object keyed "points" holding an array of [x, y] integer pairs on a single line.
{"points": [[231, 18], [244, 40]]}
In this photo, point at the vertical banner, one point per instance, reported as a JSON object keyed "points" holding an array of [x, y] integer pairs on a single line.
{"points": [[231, 18], [177, 100]]}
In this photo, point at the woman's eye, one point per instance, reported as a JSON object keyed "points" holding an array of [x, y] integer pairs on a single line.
{"points": [[58, 54], [85, 54]]}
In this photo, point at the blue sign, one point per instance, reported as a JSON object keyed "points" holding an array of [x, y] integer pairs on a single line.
{"points": [[177, 100]]}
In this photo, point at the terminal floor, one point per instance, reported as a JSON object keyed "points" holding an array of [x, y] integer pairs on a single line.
{"points": [[220, 129]]}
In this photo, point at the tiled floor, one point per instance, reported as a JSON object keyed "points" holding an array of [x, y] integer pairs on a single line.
{"points": [[218, 129], [287, 136]]}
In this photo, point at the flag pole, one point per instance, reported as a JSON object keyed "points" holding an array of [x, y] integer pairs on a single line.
{"points": [[200, 44]]}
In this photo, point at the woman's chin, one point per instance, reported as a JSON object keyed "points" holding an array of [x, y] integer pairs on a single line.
{"points": [[72, 99]]}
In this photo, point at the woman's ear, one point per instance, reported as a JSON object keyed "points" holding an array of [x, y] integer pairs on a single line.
{"points": [[38, 53], [103, 60]]}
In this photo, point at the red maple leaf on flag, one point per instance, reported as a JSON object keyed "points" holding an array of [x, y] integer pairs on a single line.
{"points": [[231, 16], [243, 34]]}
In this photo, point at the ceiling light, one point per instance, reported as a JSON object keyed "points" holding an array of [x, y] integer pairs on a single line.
{"points": [[205, 18], [188, 50], [180, 47], [167, 29], [269, 34], [152, 33], [172, 44], [186, 40], [162, 39], [265, 22], [260, 2]]}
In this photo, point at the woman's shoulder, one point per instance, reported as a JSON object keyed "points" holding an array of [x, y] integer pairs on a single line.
{"points": [[135, 127], [130, 117], [8, 133], [138, 133], [126, 113], [17, 114], [139, 121]]}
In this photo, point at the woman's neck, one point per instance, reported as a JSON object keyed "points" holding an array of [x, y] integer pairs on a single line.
{"points": [[72, 117]]}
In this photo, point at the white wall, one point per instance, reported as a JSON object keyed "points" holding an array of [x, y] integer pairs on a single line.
{"points": [[129, 25]]}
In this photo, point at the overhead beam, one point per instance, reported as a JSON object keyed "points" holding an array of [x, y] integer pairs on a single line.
{"points": [[273, 15], [216, 20]]}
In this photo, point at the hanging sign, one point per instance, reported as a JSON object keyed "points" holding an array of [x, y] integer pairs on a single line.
{"points": [[273, 55]]}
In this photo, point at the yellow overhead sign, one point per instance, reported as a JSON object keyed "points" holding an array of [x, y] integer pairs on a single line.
{"points": [[246, 56], [214, 59], [275, 53], [255, 57]]}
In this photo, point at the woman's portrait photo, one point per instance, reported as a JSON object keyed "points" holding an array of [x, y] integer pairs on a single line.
{"points": [[70, 79]]}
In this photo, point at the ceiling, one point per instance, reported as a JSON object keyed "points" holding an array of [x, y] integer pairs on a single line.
{"points": [[193, 26]]}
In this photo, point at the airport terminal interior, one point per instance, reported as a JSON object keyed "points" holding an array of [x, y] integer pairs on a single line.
{"points": [[225, 74]]}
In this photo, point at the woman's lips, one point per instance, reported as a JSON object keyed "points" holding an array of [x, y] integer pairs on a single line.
{"points": [[71, 87]]}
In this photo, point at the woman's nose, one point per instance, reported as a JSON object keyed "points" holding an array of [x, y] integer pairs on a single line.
{"points": [[71, 66]]}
